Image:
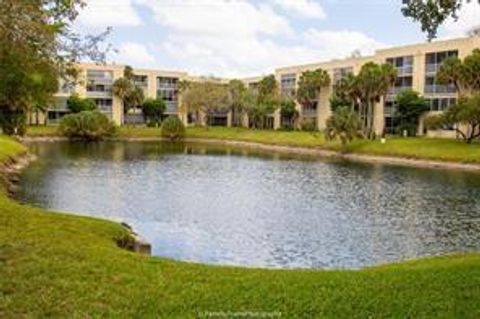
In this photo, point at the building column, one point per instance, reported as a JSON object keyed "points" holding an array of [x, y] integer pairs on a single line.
{"points": [[379, 118], [229, 119], [276, 120], [324, 110]]}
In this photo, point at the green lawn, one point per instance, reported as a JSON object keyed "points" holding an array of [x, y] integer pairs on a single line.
{"points": [[57, 265], [421, 148]]}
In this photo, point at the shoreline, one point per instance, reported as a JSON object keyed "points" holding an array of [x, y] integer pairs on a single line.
{"points": [[286, 149]]}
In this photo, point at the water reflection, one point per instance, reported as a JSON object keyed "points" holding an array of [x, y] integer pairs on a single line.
{"points": [[244, 207]]}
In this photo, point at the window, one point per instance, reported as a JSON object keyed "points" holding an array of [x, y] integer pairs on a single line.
{"points": [[441, 104], [340, 73], [104, 105], [434, 60], [287, 84], [403, 64], [432, 87], [140, 80], [167, 83]]}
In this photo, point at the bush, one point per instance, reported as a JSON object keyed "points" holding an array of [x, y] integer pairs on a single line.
{"points": [[87, 125], [77, 104], [152, 123], [308, 125], [13, 122], [173, 128], [153, 110]]}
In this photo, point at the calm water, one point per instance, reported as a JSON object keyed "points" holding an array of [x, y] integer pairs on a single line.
{"points": [[225, 206]]}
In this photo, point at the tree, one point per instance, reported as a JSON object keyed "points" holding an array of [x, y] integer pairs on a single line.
{"points": [[153, 110], [465, 75], [237, 95], [77, 104], [309, 86], [464, 117], [263, 102], [369, 87], [432, 13], [135, 98], [288, 112], [125, 89], [37, 46], [345, 92], [344, 124], [268, 90], [410, 106], [205, 98]]}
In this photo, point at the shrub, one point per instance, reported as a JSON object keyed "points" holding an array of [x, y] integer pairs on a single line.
{"points": [[173, 128], [343, 124], [77, 104], [153, 110], [87, 125], [308, 125], [152, 123], [13, 122]]}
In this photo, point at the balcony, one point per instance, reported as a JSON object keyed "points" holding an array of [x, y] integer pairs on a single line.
{"points": [[166, 85], [436, 89], [432, 68], [398, 89], [309, 112], [99, 94], [405, 70], [172, 106]]}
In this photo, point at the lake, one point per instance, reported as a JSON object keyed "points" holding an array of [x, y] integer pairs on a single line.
{"points": [[227, 206]]}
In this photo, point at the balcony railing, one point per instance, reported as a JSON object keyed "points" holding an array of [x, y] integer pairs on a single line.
{"points": [[432, 68], [436, 88], [398, 89], [405, 70], [171, 106], [99, 81], [99, 94], [162, 85], [309, 112]]}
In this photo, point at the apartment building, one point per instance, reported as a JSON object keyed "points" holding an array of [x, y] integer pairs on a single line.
{"points": [[95, 82], [416, 64]]}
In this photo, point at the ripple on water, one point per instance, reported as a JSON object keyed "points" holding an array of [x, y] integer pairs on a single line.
{"points": [[220, 206]]}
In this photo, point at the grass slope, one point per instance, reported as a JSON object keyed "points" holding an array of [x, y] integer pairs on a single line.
{"points": [[57, 265], [419, 148]]}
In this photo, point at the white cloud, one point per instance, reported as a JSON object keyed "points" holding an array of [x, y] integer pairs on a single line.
{"points": [[305, 8], [234, 38], [468, 18], [134, 54], [217, 17], [335, 44], [105, 13]]}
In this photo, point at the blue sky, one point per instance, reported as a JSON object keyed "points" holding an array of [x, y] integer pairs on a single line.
{"points": [[235, 38]]}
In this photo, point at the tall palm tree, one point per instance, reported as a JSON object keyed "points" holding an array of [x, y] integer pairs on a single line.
{"points": [[310, 85], [122, 88], [372, 84], [237, 93]]}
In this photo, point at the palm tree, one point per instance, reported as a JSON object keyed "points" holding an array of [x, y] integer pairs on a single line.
{"points": [[310, 85], [371, 85], [344, 124], [122, 88], [237, 100]]}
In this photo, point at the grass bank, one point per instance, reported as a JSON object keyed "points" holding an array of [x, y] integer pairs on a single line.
{"points": [[57, 265], [418, 147]]}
